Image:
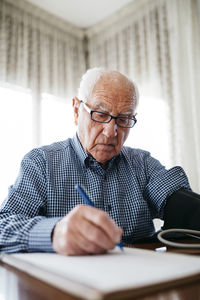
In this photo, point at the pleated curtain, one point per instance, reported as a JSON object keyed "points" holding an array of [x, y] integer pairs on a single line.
{"points": [[39, 51], [157, 44], [154, 42]]}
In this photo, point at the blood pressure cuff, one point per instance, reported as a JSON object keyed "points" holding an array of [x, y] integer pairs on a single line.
{"points": [[182, 210]]}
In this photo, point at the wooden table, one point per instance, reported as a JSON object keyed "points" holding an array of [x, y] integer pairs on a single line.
{"points": [[17, 285]]}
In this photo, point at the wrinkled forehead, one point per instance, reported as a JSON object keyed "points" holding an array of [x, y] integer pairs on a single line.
{"points": [[115, 94]]}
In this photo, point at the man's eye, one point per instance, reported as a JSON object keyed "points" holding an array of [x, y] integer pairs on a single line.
{"points": [[102, 116], [123, 120]]}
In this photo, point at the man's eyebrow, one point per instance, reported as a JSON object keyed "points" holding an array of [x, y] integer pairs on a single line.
{"points": [[127, 112], [102, 107]]}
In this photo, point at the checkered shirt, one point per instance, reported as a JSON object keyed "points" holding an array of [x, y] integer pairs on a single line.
{"points": [[132, 190]]}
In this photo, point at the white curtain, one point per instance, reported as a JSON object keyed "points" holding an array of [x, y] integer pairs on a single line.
{"points": [[157, 44], [39, 51], [184, 40]]}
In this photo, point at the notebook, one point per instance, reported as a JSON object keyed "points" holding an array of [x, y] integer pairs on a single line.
{"points": [[115, 275]]}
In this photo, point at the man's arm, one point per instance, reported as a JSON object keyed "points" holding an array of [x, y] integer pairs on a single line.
{"points": [[182, 210], [162, 183], [24, 226]]}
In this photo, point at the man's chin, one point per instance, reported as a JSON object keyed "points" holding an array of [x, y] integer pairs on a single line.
{"points": [[103, 157], [103, 153]]}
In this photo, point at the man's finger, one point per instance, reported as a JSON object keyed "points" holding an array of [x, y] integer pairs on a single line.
{"points": [[101, 220], [94, 235]]}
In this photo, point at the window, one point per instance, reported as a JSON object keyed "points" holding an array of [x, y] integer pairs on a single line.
{"points": [[16, 128], [57, 121], [151, 131]]}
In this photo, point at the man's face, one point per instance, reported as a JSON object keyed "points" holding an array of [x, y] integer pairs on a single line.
{"points": [[105, 140]]}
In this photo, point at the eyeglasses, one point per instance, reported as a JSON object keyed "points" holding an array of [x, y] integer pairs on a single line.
{"points": [[101, 117]]}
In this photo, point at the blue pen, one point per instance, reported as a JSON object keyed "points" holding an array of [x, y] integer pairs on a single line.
{"points": [[87, 201]]}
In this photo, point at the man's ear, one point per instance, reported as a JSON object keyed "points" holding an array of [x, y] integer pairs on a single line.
{"points": [[76, 103]]}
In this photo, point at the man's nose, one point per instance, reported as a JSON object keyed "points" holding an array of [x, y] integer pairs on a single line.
{"points": [[110, 129]]}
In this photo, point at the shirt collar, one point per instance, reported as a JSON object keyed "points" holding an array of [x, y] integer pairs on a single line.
{"points": [[79, 149]]}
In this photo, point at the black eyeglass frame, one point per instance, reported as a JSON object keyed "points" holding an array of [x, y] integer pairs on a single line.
{"points": [[90, 111]]}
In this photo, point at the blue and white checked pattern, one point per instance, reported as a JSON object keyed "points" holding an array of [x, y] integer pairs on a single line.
{"points": [[132, 190]]}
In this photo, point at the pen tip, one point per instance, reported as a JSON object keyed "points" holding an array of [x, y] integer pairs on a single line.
{"points": [[120, 246]]}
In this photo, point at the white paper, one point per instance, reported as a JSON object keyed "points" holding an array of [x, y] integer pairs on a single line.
{"points": [[106, 273]]}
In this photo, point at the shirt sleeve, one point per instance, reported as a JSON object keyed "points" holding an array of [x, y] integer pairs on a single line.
{"points": [[24, 226], [162, 183]]}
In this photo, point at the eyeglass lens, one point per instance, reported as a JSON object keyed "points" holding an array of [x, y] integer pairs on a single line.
{"points": [[106, 118]]}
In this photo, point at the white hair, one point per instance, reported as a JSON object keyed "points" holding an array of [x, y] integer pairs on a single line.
{"points": [[92, 76]]}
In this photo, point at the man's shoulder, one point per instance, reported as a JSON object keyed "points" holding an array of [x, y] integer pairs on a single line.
{"points": [[57, 146], [135, 157], [135, 153], [54, 149]]}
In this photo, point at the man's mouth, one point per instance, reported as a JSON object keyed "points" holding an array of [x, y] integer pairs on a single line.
{"points": [[106, 145]]}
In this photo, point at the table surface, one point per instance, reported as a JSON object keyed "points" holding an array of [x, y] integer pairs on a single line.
{"points": [[17, 285]]}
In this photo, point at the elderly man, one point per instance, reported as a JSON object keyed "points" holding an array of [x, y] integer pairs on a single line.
{"points": [[43, 211]]}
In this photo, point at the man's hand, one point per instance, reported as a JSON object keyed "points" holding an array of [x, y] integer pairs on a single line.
{"points": [[85, 230]]}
